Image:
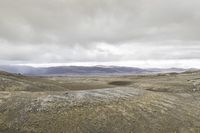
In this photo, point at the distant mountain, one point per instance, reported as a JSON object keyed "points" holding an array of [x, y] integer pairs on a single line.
{"points": [[166, 69], [83, 70]]}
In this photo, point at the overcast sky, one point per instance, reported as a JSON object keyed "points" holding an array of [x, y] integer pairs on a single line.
{"points": [[157, 33]]}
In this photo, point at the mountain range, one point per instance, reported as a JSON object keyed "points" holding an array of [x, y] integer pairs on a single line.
{"points": [[83, 70]]}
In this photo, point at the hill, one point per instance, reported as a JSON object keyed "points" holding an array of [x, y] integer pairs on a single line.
{"points": [[82, 70], [153, 103]]}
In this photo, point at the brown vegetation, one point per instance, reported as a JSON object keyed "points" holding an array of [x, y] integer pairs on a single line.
{"points": [[140, 103]]}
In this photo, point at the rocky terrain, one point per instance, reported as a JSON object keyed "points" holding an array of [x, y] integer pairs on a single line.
{"points": [[142, 103]]}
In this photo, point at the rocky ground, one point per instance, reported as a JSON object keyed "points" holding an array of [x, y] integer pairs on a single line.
{"points": [[145, 103]]}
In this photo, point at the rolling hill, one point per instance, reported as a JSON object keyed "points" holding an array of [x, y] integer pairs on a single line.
{"points": [[82, 70]]}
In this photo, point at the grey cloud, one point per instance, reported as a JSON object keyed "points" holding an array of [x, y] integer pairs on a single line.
{"points": [[98, 30], [77, 21]]}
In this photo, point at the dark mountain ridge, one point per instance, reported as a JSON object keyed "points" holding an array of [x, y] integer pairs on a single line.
{"points": [[83, 70]]}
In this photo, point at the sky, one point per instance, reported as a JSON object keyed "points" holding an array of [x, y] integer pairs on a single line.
{"points": [[139, 33]]}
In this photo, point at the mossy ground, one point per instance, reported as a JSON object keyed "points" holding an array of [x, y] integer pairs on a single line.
{"points": [[147, 103]]}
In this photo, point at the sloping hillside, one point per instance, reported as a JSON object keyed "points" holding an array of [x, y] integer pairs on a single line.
{"points": [[18, 82], [143, 103]]}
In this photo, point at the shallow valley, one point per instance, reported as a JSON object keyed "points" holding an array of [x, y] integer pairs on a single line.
{"points": [[167, 102]]}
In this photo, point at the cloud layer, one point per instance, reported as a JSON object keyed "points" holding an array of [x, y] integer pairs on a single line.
{"points": [[67, 31]]}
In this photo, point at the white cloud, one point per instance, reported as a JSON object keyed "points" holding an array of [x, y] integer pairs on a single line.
{"points": [[69, 31], [189, 63]]}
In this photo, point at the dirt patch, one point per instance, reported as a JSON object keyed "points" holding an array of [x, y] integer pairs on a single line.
{"points": [[160, 90], [120, 83]]}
